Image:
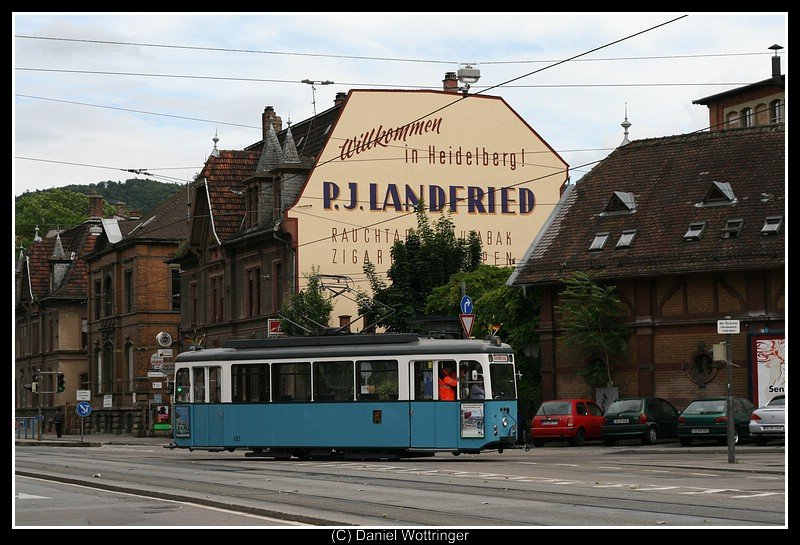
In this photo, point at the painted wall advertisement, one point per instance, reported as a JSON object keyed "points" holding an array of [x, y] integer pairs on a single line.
{"points": [[768, 366], [389, 151]]}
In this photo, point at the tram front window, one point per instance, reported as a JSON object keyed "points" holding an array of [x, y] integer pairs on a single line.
{"points": [[182, 386], [503, 383]]}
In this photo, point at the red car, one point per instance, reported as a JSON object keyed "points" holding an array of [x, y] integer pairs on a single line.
{"points": [[573, 420]]}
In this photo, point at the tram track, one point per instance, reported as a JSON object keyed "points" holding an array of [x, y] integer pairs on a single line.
{"points": [[348, 494]]}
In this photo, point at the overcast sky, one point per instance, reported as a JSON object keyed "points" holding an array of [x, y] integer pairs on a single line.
{"points": [[97, 94]]}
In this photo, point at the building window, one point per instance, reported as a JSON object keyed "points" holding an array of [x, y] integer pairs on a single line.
{"points": [[128, 281], [35, 336], [107, 296], [746, 116], [718, 194], [215, 307], [97, 298], [175, 288], [621, 202], [776, 111], [772, 225], [598, 242], [251, 205], [732, 228], [695, 231], [253, 292], [626, 238], [732, 120], [129, 365], [193, 309], [277, 285], [84, 333]]}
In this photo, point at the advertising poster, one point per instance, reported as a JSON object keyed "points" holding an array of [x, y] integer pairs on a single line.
{"points": [[182, 421], [768, 359], [472, 420]]}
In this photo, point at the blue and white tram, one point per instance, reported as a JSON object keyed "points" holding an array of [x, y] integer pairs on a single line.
{"points": [[347, 396]]}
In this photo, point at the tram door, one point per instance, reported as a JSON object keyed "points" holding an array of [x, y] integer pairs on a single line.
{"points": [[209, 414], [433, 422]]}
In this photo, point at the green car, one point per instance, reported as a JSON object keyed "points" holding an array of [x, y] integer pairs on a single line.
{"points": [[707, 419]]}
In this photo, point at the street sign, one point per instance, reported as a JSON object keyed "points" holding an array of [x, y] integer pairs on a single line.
{"points": [[466, 323], [83, 408], [728, 327], [83, 395], [466, 305]]}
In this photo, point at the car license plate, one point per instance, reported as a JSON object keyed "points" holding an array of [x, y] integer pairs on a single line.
{"points": [[700, 430], [773, 428], [549, 422], [622, 420]]}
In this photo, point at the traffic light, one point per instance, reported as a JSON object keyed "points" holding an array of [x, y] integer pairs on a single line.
{"points": [[60, 382]]}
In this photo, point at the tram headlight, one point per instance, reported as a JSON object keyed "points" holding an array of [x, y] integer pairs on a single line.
{"points": [[504, 421]]}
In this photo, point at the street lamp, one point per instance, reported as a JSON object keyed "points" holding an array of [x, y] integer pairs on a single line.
{"points": [[468, 75]]}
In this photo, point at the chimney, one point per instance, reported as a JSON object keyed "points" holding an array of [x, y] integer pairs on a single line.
{"points": [[344, 322], [776, 63], [96, 203], [450, 82], [340, 97], [269, 117], [120, 209]]}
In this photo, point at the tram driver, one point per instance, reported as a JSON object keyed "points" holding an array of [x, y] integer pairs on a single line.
{"points": [[448, 382]]}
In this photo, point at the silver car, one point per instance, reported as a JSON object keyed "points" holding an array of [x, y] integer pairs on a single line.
{"points": [[768, 422]]}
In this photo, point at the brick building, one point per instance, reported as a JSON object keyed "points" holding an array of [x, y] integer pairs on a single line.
{"points": [[690, 229]]}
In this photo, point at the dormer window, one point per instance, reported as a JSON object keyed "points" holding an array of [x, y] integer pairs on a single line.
{"points": [[732, 228], [598, 242], [626, 238], [718, 194], [772, 225], [621, 202], [776, 111], [695, 231]]}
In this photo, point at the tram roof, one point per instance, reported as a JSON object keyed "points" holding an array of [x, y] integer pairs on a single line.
{"points": [[342, 346]]}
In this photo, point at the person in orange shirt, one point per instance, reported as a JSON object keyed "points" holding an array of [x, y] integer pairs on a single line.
{"points": [[448, 382]]}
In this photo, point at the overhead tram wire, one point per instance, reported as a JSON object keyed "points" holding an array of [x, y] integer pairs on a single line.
{"points": [[365, 57]]}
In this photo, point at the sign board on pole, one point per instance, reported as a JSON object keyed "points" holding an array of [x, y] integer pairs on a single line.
{"points": [[728, 327], [83, 395], [274, 328], [466, 323]]}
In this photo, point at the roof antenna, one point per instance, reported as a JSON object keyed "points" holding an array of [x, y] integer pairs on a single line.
{"points": [[313, 85]]}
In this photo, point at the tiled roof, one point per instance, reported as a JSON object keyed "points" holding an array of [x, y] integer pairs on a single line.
{"points": [[668, 177], [167, 221], [76, 242], [225, 175]]}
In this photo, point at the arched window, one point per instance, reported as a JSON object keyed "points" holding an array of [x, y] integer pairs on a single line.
{"points": [[98, 365], [106, 369], [746, 117], [129, 365], [107, 298], [776, 111], [761, 114], [732, 120]]}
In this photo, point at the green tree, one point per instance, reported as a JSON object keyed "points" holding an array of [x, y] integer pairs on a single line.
{"points": [[310, 309], [52, 209], [497, 304], [427, 258], [590, 317]]}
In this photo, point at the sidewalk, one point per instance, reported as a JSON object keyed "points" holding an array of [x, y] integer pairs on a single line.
{"points": [[93, 440]]}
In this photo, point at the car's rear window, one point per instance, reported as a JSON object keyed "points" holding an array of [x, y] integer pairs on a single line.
{"points": [[554, 407], [623, 405], [706, 407], [779, 400]]}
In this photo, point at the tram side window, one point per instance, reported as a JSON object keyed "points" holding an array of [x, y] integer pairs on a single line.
{"points": [[471, 388], [377, 379], [182, 386], [424, 380], [199, 385], [214, 384], [291, 381], [250, 383], [333, 381]]}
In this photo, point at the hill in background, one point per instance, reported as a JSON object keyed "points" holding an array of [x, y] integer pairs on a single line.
{"points": [[64, 207]]}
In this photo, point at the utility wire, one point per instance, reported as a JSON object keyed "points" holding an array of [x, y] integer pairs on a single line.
{"points": [[365, 57]]}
